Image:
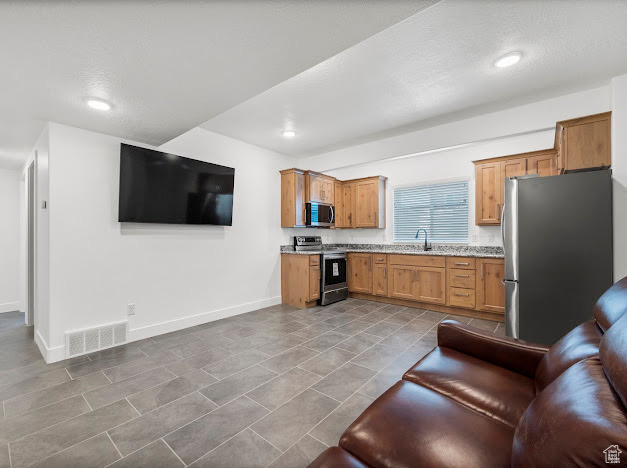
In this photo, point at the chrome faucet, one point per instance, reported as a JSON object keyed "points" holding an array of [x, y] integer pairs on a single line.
{"points": [[427, 246]]}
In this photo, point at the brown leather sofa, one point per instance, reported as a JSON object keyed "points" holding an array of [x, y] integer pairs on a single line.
{"points": [[478, 400]]}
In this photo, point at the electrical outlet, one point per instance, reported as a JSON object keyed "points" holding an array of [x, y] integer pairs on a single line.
{"points": [[491, 237], [475, 238], [131, 308]]}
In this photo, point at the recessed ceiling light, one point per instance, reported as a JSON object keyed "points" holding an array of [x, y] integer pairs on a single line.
{"points": [[98, 104], [289, 133], [508, 60]]}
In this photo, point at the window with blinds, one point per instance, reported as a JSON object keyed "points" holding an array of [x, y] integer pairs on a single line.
{"points": [[441, 209]]}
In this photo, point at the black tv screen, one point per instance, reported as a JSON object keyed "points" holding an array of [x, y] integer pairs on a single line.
{"points": [[158, 187]]}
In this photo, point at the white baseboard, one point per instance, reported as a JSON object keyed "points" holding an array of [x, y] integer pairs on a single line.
{"points": [[50, 355], [186, 322], [9, 307], [58, 353]]}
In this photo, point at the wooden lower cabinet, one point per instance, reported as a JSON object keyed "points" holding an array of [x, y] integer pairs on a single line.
{"points": [[314, 283], [300, 280], [360, 272], [490, 289], [460, 285], [422, 284], [431, 285], [380, 279], [402, 282]]}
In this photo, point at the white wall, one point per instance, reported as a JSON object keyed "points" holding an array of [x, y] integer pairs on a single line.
{"points": [[619, 172], [517, 120], [177, 276], [526, 122], [9, 240]]}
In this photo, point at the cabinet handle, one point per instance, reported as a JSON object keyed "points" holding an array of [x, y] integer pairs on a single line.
{"points": [[319, 274], [370, 263], [456, 263], [384, 272], [498, 211], [379, 259], [463, 295], [350, 219], [461, 276], [375, 216], [482, 271]]}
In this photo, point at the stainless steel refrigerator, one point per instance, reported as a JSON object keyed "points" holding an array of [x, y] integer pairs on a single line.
{"points": [[557, 238]]}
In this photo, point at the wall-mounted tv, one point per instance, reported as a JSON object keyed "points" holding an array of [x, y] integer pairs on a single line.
{"points": [[158, 187]]}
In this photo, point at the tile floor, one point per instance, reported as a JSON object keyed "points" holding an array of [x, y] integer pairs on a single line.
{"points": [[273, 387]]}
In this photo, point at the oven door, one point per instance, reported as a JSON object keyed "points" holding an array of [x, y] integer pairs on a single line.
{"points": [[333, 272], [318, 214]]}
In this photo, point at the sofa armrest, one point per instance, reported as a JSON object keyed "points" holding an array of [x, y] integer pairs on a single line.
{"points": [[516, 355]]}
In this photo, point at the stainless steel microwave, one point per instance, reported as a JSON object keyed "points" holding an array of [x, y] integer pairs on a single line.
{"points": [[319, 214]]}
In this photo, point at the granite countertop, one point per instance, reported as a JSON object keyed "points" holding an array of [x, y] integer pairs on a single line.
{"points": [[406, 249]]}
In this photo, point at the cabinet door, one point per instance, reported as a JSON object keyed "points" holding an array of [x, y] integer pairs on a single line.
{"points": [[587, 145], [490, 289], [513, 167], [544, 165], [314, 283], [360, 273], [348, 204], [367, 194], [380, 279], [488, 193], [402, 282], [338, 206], [328, 191], [431, 285], [315, 188]]}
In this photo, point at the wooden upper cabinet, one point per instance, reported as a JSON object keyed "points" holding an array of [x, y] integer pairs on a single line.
{"points": [[513, 167], [292, 198], [584, 143], [490, 289], [345, 201], [338, 206], [544, 163], [370, 203], [319, 188], [489, 190], [360, 272], [491, 173]]}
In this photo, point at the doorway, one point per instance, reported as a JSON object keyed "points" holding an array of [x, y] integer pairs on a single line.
{"points": [[30, 247]]}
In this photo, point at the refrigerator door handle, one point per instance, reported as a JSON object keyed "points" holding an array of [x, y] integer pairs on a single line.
{"points": [[503, 226], [511, 309]]}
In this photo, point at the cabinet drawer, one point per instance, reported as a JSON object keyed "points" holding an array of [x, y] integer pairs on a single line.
{"points": [[461, 278], [380, 258], [462, 263], [460, 297], [314, 260], [418, 260]]}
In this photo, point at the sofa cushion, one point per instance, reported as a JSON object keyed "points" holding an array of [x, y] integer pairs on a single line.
{"points": [[572, 422], [410, 426], [580, 343], [335, 457], [613, 356], [611, 305], [491, 390]]}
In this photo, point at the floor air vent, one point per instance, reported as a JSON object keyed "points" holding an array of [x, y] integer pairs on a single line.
{"points": [[94, 339]]}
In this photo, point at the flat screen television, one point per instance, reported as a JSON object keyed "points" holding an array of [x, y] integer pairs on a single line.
{"points": [[158, 187]]}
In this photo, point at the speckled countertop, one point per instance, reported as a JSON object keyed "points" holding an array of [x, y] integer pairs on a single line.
{"points": [[407, 249]]}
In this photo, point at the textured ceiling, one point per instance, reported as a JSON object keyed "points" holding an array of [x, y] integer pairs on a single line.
{"points": [[434, 67], [165, 66]]}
